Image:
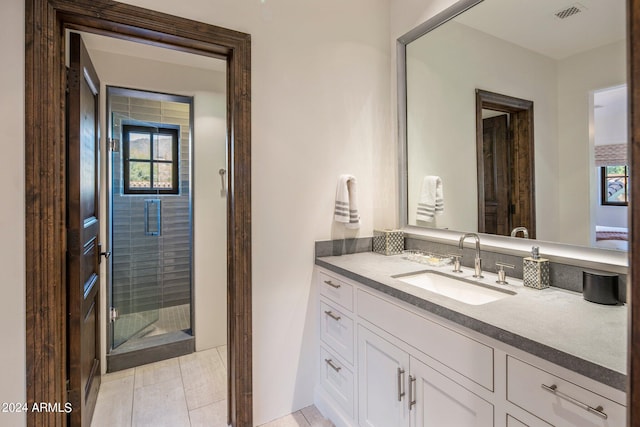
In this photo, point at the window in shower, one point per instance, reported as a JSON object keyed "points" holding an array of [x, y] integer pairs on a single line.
{"points": [[150, 157]]}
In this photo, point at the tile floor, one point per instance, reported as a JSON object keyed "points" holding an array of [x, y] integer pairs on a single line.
{"points": [[185, 391]]}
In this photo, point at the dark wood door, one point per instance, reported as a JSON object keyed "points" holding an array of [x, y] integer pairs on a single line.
{"points": [[495, 153], [83, 227]]}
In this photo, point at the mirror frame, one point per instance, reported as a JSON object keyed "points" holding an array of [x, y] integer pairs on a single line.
{"points": [[559, 252]]}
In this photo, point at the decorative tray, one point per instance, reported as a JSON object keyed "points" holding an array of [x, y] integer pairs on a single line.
{"points": [[427, 258]]}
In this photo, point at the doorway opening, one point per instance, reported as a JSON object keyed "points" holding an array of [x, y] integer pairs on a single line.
{"points": [[47, 373], [150, 226], [505, 162], [610, 190]]}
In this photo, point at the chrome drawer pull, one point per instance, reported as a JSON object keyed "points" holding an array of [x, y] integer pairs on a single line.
{"points": [[333, 316], [554, 389], [333, 285], [333, 365], [400, 384], [412, 391]]}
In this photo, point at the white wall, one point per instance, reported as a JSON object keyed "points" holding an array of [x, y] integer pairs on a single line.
{"points": [[12, 213], [210, 221], [320, 108], [408, 14]]}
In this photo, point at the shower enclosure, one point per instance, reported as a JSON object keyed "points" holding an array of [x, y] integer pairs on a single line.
{"points": [[150, 226]]}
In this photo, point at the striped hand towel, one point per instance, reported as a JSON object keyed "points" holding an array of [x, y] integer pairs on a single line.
{"points": [[431, 200], [346, 210]]}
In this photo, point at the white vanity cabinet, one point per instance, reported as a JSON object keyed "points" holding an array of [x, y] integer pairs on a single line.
{"points": [[512, 422], [385, 363], [559, 401], [337, 341], [383, 369], [396, 389], [437, 400]]}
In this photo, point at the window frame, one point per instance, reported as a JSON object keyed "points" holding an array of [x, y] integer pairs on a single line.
{"points": [[127, 129], [603, 187]]}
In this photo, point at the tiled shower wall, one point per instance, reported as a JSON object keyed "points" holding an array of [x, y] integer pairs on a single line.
{"points": [[151, 272]]}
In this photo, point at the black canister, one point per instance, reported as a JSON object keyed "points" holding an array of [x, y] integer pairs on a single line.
{"points": [[601, 288]]}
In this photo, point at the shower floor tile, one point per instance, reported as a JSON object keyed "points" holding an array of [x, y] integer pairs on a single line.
{"points": [[136, 325]]}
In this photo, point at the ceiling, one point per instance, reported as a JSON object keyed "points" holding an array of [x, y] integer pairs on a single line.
{"points": [[532, 24], [140, 50]]}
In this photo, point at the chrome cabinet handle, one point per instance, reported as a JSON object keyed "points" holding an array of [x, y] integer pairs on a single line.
{"points": [[554, 390], [400, 384], [333, 285], [333, 316], [333, 365], [412, 391]]}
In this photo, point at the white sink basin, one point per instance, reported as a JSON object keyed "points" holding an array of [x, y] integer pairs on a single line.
{"points": [[464, 290]]}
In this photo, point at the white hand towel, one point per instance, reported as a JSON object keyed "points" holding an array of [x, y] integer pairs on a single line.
{"points": [[346, 210], [431, 200]]}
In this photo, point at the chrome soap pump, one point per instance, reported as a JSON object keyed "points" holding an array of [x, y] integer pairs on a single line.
{"points": [[535, 270]]}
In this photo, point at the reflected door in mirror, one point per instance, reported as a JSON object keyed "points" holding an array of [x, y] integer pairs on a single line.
{"points": [[504, 150], [497, 206]]}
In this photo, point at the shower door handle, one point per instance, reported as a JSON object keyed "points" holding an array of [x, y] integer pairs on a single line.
{"points": [[149, 205]]}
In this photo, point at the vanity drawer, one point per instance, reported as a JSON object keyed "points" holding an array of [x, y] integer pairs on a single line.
{"points": [[337, 380], [336, 290], [531, 422], [558, 401], [336, 330], [512, 422], [464, 355]]}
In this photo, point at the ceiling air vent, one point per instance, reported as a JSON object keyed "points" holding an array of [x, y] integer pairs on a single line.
{"points": [[568, 11]]}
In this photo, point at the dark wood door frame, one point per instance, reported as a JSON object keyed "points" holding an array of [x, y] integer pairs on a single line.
{"points": [[521, 117], [45, 171]]}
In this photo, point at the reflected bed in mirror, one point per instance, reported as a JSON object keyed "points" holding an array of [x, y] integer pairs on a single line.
{"points": [[571, 66]]}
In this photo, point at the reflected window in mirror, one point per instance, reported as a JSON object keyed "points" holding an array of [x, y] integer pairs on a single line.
{"points": [[614, 184]]}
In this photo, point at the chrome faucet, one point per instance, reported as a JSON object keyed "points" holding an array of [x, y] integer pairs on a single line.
{"points": [[478, 262], [525, 232]]}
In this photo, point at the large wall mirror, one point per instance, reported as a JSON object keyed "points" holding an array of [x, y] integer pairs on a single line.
{"points": [[564, 60]]}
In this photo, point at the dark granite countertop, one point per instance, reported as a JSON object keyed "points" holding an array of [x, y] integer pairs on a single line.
{"points": [[554, 324]]}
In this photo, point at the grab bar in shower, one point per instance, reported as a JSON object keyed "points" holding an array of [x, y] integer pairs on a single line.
{"points": [[149, 206]]}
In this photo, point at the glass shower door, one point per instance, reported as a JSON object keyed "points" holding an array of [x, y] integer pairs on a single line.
{"points": [[135, 222]]}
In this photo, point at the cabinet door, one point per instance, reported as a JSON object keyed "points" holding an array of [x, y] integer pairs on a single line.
{"points": [[441, 402], [382, 375]]}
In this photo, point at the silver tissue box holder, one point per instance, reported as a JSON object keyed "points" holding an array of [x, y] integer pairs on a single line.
{"points": [[388, 242]]}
